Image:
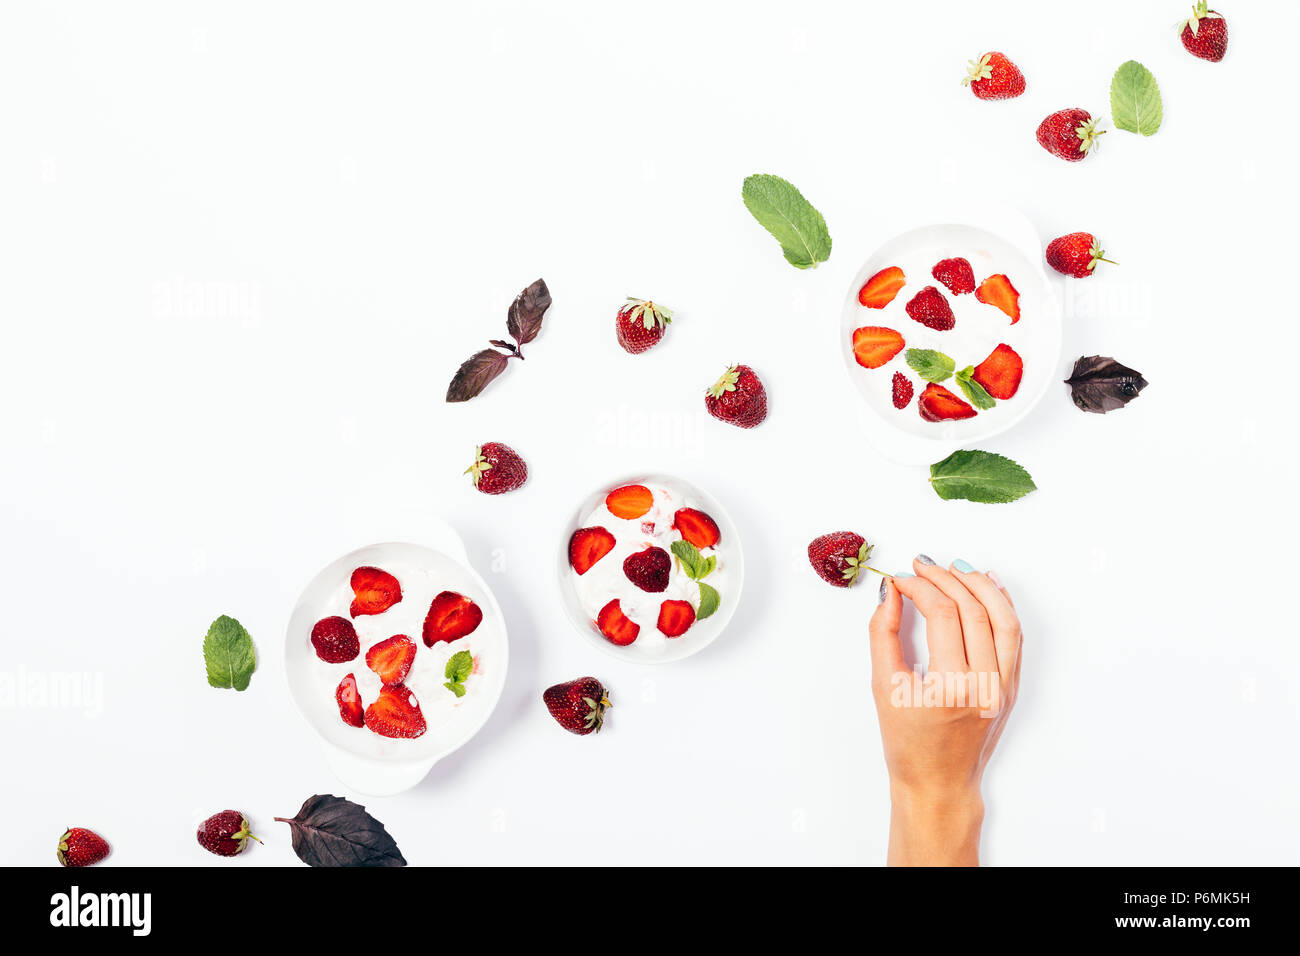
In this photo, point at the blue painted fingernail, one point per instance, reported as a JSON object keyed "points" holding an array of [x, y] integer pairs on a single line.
{"points": [[884, 589], [904, 574], [925, 559], [962, 566]]}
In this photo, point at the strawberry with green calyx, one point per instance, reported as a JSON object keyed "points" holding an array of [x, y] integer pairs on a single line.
{"points": [[225, 833], [737, 398], [1205, 33], [1076, 254], [578, 705], [994, 77], [1069, 134], [497, 468], [840, 557], [81, 847], [641, 324]]}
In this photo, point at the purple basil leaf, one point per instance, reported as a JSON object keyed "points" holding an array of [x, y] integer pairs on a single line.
{"points": [[524, 320], [1100, 384], [503, 344], [332, 831], [474, 374]]}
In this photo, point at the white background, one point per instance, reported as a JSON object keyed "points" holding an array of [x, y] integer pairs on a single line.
{"points": [[357, 191]]}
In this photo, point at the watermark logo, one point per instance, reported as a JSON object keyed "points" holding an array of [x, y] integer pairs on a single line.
{"points": [[73, 908], [52, 690]]}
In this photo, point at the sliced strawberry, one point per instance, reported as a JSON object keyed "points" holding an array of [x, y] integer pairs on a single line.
{"points": [[587, 546], [392, 659], [396, 713], [675, 618], [878, 291], [349, 700], [997, 290], [451, 616], [375, 591], [630, 501], [335, 640], [1000, 373], [931, 309], [617, 627], [697, 527], [937, 404], [874, 345]]}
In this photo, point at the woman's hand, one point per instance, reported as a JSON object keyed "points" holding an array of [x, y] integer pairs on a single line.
{"points": [[939, 730]]}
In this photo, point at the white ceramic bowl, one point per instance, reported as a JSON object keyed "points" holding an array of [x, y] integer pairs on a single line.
{"points": [[728, 578], [362, 759], [979, 328]]}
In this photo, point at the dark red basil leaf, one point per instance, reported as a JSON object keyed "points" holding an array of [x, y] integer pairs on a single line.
{"points": [[524, 320], [332, 831], [474, 374], [1100, 384], [503, 344]]}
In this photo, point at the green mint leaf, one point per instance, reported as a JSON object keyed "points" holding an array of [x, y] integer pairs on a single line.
{"points": [[980, 476], [791, 219], [709, 601], [930, 365], [1135, 99], [975, 392], [459, 666], [689, 556], [710, 563], [229, 654], [457, 688]]}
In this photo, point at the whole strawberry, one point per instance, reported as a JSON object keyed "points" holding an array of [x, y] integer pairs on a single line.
{"points": [[994, 77], [1205, 33], [641, 324], [497, 468], [225, 833], [839, 557], [738, 398], [81, 847], [1076, 254], [1069, 134], [578, 705]]}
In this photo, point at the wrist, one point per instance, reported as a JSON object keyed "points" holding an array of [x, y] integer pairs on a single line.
{"points": [[935, 827]]}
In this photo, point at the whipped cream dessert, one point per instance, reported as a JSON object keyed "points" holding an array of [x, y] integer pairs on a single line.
{"points": [[649, 566], [390, 681]]}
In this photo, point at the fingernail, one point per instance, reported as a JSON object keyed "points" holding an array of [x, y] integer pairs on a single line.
{"points": [[904, 574], [884, 589], [963, 566], [925, 559], [997, 581]]}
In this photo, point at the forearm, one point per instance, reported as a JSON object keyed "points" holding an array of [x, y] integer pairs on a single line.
{"points": [[927, 830]]}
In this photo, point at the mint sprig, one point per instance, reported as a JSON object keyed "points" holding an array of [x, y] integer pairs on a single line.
{"points": [[976, 394], [459, 666], [697, 568], [228, 654], [930, 365]]}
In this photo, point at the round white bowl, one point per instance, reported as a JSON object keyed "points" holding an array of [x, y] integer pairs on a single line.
{"points": [[702, 633], [978, 330], [363, 760]]}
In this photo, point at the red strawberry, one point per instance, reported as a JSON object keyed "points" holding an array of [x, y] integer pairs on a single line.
{"points": [[225, 833], [451, 616], [374, 591], [878, 291], [335, 640], [675, 618], [696, 527], [497, 468], [994, 77], [902, 390], [396, 713], [649, 569], [641, 324], [1069, 134], [349, 701], [1000, 373], [839, 557], [587, 546], [81, 847], [931, 309], [737, 398], [391, 659], [1205, 33], [997, 290], [874, 345], [630, 501], [617, 627], [1076, 254], [956, 274], [578, 705], [937, 404]]}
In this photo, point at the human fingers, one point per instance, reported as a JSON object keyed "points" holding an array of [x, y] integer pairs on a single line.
{"points": [[942, 622]]}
